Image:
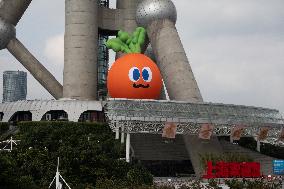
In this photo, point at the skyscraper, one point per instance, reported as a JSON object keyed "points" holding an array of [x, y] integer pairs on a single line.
{"points": [[14, 86]]}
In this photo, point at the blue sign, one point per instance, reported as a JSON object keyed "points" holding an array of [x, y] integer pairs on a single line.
{"points": [[278, 167]]}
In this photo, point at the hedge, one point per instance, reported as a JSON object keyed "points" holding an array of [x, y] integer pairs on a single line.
{"points": [[63, 125], [90, 157], [3, 127]]}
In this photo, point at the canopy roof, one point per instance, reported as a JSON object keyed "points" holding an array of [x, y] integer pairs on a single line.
{"points": [[150, 116]]}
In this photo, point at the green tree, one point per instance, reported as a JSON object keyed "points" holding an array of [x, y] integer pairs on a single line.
{"points": [[88, 154]]}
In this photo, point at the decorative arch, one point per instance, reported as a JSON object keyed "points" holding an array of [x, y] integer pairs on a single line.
{"points": [[92, 116], [55, 115], [21, 116]]}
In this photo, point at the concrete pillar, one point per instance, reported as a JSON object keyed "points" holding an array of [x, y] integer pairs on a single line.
{"points": [[122, 135], [117, 133], [81, 46], [172, 61], [127, 155], [159, 18], [12, 10], [129, 22], [40, 73], [258, 144]]}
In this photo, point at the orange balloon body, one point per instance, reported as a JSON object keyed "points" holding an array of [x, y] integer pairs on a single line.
{"points": [[134, 76]]}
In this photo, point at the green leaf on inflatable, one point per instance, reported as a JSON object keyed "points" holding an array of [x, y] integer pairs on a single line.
{"points": [[128, 43]]}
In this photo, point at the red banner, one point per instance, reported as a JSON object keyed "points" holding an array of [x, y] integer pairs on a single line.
{"points": [[206, 131], [170, 130], [232, 170], [237, 132], [263, 133]]}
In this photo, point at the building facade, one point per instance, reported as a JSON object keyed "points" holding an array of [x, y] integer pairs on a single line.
{"points": [[14, 86]]}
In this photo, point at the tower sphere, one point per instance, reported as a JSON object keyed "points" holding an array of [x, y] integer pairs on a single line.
{"points": [[7, 32], [150, 10]]}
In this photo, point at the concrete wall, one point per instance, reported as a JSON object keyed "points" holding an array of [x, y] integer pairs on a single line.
{"points": [[80, 58], [74, 108]]}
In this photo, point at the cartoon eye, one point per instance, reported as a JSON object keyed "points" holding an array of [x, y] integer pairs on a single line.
{"points": [[134, 74], [147, 74]]}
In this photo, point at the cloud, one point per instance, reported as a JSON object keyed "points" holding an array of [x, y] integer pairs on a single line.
{"points": [[54, 55], [221, 17], [54, 49], [235, 49], [251, 75]]}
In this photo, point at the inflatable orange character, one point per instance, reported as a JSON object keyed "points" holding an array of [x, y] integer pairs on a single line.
{"points": [[134, 75]]}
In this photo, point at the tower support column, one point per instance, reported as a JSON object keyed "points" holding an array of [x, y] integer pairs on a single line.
{"points": [[159, 18], [172, 61], [80, 49]]}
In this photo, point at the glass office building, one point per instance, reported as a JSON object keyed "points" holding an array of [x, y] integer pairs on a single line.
{"points": [[14, 86]]}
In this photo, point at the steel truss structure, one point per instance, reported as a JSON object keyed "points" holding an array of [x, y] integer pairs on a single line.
{"points": [[150, 116]]}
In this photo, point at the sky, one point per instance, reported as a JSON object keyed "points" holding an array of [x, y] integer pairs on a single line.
{"points": [[235, 48]]}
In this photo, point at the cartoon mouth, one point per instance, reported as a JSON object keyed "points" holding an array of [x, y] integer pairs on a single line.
{"points": [[140, 86]]}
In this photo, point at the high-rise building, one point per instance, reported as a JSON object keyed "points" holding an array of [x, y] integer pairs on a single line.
{"points": [[14, 86]]}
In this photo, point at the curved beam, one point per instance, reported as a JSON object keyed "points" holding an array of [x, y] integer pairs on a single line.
{"points": [[40, 73], [13, 10]]}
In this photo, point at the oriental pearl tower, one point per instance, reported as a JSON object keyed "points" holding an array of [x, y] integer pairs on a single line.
{"points": [[88, 23]]}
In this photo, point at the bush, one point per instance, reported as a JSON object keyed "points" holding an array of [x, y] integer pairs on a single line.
{"points": [[252, 184], [3, 127], [138, 176], [89, 157], [236, 184]]}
